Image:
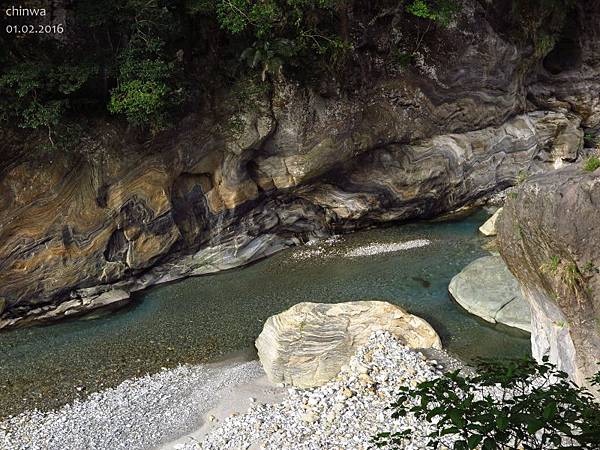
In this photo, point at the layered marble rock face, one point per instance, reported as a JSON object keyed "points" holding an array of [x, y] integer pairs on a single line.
{"points": [[231, 185], [487, 289], [307, 345], [549, 234]]}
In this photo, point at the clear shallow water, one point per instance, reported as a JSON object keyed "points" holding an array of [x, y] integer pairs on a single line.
{"points": [[206, 318]]}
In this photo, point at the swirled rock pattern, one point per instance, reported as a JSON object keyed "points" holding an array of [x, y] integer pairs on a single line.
{"points": [[549, 235], [307, 345], [226, 186]]}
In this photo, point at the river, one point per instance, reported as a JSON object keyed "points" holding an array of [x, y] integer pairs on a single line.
{"points": [[214, 317]]}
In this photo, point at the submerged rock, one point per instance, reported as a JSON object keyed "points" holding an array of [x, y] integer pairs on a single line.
{"points": [[487, 289], [308, 344], [489, 227]]}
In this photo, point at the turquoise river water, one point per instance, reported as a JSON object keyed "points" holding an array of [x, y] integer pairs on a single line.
{"points": [[212, 317]]}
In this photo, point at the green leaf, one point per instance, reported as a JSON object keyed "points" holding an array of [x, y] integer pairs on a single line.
{"points": [[474, 440], [489, 444], [502, 422]]}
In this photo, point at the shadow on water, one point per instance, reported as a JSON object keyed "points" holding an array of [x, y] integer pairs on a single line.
{"points": [[211, 317]]}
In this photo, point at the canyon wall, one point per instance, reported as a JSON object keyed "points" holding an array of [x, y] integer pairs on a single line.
{"points": [[476, 113], [549, 233]]}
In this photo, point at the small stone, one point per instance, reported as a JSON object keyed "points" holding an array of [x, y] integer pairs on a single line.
{"points": [[365, 379], [310, 417]]}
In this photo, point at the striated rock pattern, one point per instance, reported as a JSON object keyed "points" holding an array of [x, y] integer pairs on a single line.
{"points": [[487, 289], [307, 345], [549, 234], [236, 183]]}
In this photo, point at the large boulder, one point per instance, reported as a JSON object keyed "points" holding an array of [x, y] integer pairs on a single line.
{"points": [[487, 289], [549, 236], [307, 345]]}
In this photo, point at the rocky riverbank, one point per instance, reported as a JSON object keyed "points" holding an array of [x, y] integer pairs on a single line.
{"points": [[138, 414], [151, 411], [342, 414]]}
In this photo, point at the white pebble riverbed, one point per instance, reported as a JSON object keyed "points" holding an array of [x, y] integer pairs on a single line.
{"points": [[377, 248], [167, 409], [138, 414], [344, 414]]}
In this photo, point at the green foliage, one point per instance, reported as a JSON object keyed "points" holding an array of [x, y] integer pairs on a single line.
{"points": [[284, 30], [590, 267], [522, 177], [438, 12], [544, 44], [572, 277], [146, 90], [441, 12], [551, 267], [38, 95], [403, 59], [245, 96], [591, 140], [146, 61], [516, 405], [540, 21], [140, 101], [268, 56], [268, 17], [591, 164]]}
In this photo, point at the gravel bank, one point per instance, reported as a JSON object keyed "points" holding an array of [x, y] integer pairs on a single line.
{"points": [[343, 414], [376, 249], [196, 407], [329, 248], [138, 414]]}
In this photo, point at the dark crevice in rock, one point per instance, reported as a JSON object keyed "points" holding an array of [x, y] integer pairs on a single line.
{"points": [[134, 211], [566, 54], [116, 250], [190, 209]]}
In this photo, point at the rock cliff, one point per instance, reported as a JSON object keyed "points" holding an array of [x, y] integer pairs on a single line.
{"points": [[549, 234], [239, 181]]}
